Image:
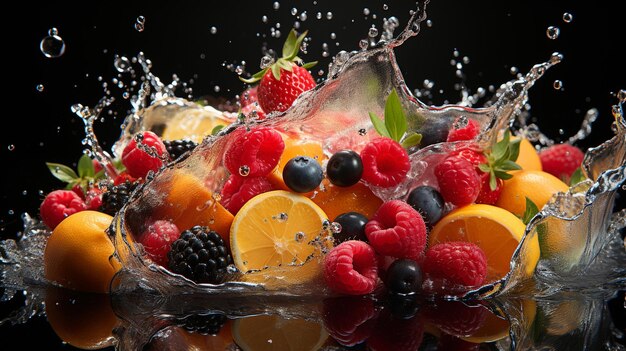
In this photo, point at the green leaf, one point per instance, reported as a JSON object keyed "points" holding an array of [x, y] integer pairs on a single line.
{"points": [[276, 71], [577, 177], [514, 148], [530, 212], [493, 183], [290, 44], [255, 77], [85, 167], [99, 175], [508, 165], [502, 175], [379, 125], [309, 65], [62, 172], [217, 129], [484, 167], [411, 139], [499, 149], [286, 65], [395, 120], [296, 48]]}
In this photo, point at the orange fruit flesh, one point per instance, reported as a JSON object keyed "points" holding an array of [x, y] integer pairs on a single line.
{"points": [[275, 333], [78, 253], [189, 203]]}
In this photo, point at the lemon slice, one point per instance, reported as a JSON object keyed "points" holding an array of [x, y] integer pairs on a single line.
{"points": [[276, 333], [495, 230], [279, 229]]}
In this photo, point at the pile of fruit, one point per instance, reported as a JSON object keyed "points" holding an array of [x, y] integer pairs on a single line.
{"points": [[286, 203]]}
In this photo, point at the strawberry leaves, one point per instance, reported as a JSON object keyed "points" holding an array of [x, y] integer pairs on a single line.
{"points": [[501, 159], [395, 125], [86, 173], [286, 62]]}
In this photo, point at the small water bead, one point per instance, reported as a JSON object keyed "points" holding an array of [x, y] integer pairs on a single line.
{"points": [[11, 212], [514, 70], [299, 237], [320, 72], [281, 217], [362, 132], [366, 11], [140, 23], [333, 36], [126, 95], [567, 17], [373, 32], [11, 147], [556, 57], [385, 7], [266, 61], [52, 45], [276, 5], [294, 11], [213, 30], [429, 23], [557, 84], [122, 64], [39, 87], [621, 95], [264, 19], [428, 84], [303, 16], [553, 32], [217, 89], [244, 170], [318, 15], [363, 44], [329, 15]]}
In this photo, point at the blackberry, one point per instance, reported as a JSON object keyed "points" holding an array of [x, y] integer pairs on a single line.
{"points": [[116, 196], [176, 148], [201, 255], [206, 324]]}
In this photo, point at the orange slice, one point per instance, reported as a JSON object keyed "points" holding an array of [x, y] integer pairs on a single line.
{"points": [[335, 200], [260, 333], [496, 231], [276, 229]]}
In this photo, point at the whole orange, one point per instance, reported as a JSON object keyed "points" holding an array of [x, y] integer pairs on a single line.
{"points": [[538, 186], [78, 254]]}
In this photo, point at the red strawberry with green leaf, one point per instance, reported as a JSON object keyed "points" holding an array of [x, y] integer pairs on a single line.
{"points": [[82, 182], [287, 78], [500, 159]]}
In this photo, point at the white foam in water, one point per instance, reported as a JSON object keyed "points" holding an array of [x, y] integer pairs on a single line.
{"points": [[336, 113]]}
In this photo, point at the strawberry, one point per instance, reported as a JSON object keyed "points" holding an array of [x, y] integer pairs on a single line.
{"points": [[282, 82]]}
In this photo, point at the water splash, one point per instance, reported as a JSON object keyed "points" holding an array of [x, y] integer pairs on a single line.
{"points": [[52, 45]]}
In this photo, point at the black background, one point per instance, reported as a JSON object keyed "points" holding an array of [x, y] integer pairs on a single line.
{"points": [[495, 35]]}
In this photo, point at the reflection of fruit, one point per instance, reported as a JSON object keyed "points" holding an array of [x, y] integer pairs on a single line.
{"points": [[349, 320], [188, 203], [275, 229], [528, 158], [78, 251], [221, 341], [275, 333], [396, 333], [335, 200], [538, 186], [496, 327], [83, 320], [496, 231], [456, 318], [566, 316]]}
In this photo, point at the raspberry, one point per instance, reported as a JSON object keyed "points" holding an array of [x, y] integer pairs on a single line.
{"points": [[471, 154], [351, 268], [157, 240], [93, 199], [58, 205], [238, 190], [397, 230], [254, 153], [456, 263], [137, 160], [253, 111], [455, 317], [463, 131], [458, 182], [123, 178], [349, 320], [486, 195], [385, 162], [396, 333], [78, 189], [561, 160]]}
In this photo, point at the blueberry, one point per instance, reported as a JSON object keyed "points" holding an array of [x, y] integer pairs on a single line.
{"points": [[428, 202], [302, 174], [404, 277], [344, 168], [435, 130], [352, 227]]}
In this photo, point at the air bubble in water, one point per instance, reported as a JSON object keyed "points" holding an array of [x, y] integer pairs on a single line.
{"points": [[276, 5], [264, 19], [122, 64], [294, 11], [213, 30], [39, 87], [553, 32], [557, 84], [385, 7], [366, 11], [52, 45], [329, 15], [567, 17]]}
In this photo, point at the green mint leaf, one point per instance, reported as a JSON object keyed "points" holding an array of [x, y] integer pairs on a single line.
{"points": [[530, 212], [577, 177], [499, 149], [508, 165], [493, 183], [502, 175], [379, 125], [484, 167], [217, 129], [411, 139], [514, 149], [395, 120], [85, 167], [309, 65], [62, 172], [290, 43]]}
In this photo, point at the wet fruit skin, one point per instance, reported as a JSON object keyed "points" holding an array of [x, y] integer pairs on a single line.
{"points": [[404, 276], [344, 168], [428, 202], [302, 174], [352, 227]]}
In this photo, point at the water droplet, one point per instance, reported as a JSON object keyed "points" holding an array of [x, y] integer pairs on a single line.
{"points": [[556, 57], [513, 70], [329, 15], [276, 5], [362, 132], [139, 27], [385, 7], [11, 147], [303, 16], [363, 44], [141, 19], [567, 17], [621, 95], [300, 236], [11, 212], [52, 45], [216, 89], [366, 11], [213, 30], [294, 11], [244, 170], [428, 84], [39, 87], [429, 23], [553, 32], [373, 32], [126, 95], [333, 36], [122, 64], [318, 15], [264, 19], [557, 84], [335, 227], [281, 217]]}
